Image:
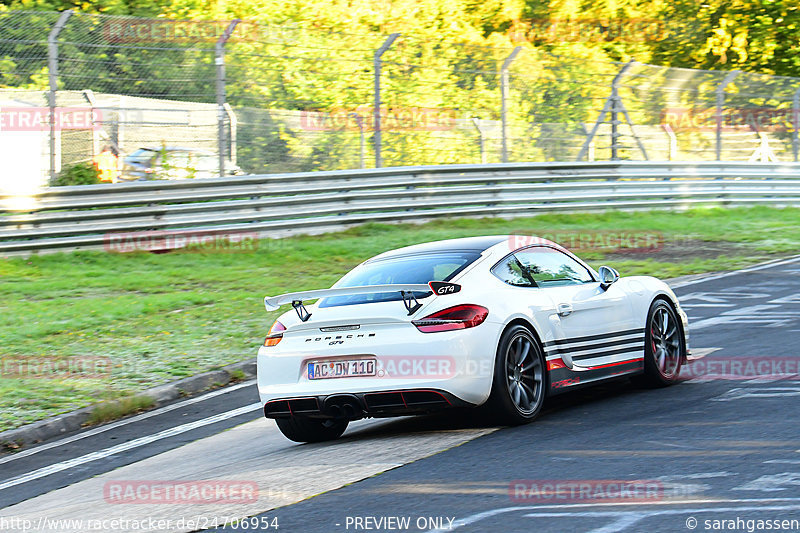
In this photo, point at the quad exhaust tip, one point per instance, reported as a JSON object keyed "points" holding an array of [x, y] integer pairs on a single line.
{"points": [[343, 406]]}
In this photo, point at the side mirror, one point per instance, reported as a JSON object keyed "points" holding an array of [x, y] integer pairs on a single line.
{"points": [[607, 276]]}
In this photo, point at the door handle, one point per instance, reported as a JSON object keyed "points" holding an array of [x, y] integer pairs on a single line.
{"points": [[564, 310]]}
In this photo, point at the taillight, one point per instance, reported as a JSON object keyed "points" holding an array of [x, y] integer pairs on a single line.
{"points": [[275, 334], [457, 317]]}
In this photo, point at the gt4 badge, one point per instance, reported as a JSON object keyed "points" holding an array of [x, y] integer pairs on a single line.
{"points": [[442, 287]]}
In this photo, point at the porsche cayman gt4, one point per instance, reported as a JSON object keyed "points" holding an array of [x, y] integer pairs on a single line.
{"points": [[501, 320]]}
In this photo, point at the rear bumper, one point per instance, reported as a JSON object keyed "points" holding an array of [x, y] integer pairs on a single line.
{"points": [[458, 364]]}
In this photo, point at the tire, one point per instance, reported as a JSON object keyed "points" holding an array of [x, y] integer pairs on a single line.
{"points": [[520, 378], [311, 429], [665, 346]]}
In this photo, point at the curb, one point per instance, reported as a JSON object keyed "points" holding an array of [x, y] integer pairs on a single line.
{"points": [[161, 394]]}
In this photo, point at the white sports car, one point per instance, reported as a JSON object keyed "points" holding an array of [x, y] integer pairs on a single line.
{"points": [[506, 320]]}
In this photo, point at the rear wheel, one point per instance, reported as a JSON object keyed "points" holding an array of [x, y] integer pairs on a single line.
{"points": [[311, 429], [665, 349], [518, 388]]}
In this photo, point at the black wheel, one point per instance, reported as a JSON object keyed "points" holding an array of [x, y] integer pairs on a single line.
{"points": [[311, 429], [519, 384], [665, 349]]}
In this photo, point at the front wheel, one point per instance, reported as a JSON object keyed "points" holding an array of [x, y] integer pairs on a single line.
{"points": [[665, 348], [518, 389], [311, 429]]}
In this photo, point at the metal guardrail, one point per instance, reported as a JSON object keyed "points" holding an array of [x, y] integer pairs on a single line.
{"points": [[89, 216]]}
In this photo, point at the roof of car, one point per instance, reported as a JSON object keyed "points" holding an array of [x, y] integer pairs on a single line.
{"points": [[465, 244]]}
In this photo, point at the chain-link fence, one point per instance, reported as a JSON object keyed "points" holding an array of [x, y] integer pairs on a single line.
{"points": [[233, 96]]}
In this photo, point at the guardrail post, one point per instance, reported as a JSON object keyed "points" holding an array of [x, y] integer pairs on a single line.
{"points": [[504, 98], [376, 63], [720, 90], [481, 142], [795, 122], [52, 74], [219, 61]]}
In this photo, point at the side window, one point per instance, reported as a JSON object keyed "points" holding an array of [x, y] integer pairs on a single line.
{"points": [[549, 267], [509, 271]]}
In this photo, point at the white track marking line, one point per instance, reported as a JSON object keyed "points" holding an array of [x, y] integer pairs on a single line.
{"points": [[119, 423], [629, 518], [125, 446], [762, 266], [494, 512]]}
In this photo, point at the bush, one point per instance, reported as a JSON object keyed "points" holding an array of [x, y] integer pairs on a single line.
{"points": [[78, 174]]}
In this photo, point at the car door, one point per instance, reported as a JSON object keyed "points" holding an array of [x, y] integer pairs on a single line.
{"points": [[594, 326]]}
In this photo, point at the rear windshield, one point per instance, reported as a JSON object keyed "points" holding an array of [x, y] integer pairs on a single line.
{"points": [[418, 268]]}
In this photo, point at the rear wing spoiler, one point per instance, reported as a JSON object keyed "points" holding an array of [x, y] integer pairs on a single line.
{"points": [[272, 303]]}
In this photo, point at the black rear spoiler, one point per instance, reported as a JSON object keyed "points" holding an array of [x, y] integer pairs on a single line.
{"points": [[441, 288]]}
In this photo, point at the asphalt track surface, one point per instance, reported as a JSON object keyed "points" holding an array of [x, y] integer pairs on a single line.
{"points": [[720, 451]]}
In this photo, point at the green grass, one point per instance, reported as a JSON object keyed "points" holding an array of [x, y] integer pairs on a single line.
{"points": [[160, 317], [112, 410]]}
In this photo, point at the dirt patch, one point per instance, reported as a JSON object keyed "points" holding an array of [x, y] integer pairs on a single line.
{"points": [[687, 250]]}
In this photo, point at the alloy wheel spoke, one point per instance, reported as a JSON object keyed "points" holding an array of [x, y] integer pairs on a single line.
{"points": [[515, 392], [675, 343], [655, 333], [526, 348], [528, 391], [661, 359], [533, 364]]}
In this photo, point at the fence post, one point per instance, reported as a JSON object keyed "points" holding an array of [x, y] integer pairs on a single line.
{"points": [[673, 142], [481, 142], [720, 90], [376, 63], [233, 121], [795, 122], [504, 99], [52, 74], [615, 108], [362, 149], [612, 106], [219, 61]]}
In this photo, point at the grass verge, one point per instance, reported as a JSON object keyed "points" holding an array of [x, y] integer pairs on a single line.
{"points": [[144, 319]]}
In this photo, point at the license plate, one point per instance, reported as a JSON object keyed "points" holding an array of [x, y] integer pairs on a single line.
{"points": [[346, 368]]}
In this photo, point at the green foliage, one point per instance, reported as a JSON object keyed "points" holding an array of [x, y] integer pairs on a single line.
{"points": [[78, 174], [300, 57]]}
